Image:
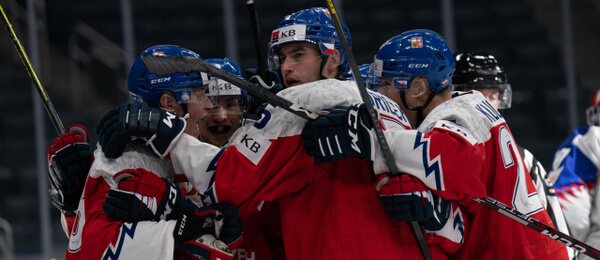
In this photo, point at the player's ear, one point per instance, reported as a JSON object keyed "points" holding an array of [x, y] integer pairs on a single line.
{"points": [[168, 102], [418, 86], [335, 57]]}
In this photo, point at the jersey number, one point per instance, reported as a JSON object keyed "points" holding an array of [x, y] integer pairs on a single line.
{"points": [[524, 201]]}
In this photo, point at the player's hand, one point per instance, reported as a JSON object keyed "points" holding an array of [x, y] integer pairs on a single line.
{"points": [[407, 199], [210, 232], [342, 133], [272, 83], [159, 128], [142, 195], [69, 160]]}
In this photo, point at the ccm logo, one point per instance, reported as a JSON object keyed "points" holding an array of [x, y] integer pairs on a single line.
{"points": [[161, 80], [418, 65]]}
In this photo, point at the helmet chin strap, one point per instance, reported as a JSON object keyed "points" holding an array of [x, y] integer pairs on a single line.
{"points": [[323, 62], [420, 109], [185, 108]]}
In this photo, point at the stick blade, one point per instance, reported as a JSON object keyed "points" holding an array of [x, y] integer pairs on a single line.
{"points": [[166, 65]]}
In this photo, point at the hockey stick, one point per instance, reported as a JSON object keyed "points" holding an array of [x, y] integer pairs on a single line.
{"points": [[389, 158], [539, 227], [60, 128], [262, 64], [165, 65]]}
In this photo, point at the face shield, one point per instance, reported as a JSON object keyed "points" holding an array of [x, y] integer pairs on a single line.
{"points": [[226, 98], [399, 80], [296, 34], [503, 97]]}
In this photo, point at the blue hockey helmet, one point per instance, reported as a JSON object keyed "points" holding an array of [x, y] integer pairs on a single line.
{"points": [[224, 88], [313, 25], [414, 53], [362, 69], [480, 70], [146, 87]]}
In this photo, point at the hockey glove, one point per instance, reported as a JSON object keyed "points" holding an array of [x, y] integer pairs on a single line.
{"points": [[159, 128], [69, 160], [272, 83], [405, 197], [142, 195], [342, 133], [442, 209], [210, 232]]}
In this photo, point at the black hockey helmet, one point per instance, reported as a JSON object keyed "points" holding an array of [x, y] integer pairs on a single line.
{"points": [[480, 70]]}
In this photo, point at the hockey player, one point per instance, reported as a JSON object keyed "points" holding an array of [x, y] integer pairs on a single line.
{"points": [[157, 198], [480, 71], [461, 148], [574, 175], [262, 231], [267, 162], [230, 104]]}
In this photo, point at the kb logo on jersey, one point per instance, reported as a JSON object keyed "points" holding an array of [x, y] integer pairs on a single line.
{"points": [[253, 146]]}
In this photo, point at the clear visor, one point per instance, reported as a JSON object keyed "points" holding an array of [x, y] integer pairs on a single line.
{"points": [[183, 92], [295, 34], [503, 96], [400, 80], [593, 115], [225, 97], [226, 105]]}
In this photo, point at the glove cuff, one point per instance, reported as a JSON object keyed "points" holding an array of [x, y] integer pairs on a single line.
{"points": [[381, 181], [162, 145]]}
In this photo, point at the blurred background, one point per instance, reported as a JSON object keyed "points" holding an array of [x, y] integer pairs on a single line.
{"points": [[82, 50]]}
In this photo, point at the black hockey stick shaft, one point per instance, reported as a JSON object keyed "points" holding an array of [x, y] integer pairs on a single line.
{"points": [[60, 128], [262, 63], [387, 153], [165, 65], [539, 227]]}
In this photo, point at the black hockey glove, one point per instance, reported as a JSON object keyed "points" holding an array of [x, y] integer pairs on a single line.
{"points": [[407, 199], [69, 160], [272, 83], [210, 232], [344, 132], [142, 195], [116, 128], [442, 209]]}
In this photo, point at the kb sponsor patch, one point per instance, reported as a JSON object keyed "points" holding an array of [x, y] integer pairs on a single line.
{"points": [[253, 146]]}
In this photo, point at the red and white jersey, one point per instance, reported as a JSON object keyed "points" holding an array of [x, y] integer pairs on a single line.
{"points": [[465, 149], [328, 211], [98, 236], [95, 235]]}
